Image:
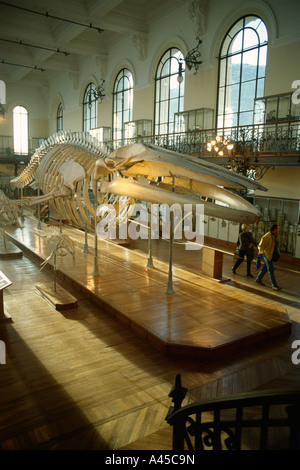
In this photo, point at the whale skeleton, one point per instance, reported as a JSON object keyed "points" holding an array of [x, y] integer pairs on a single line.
{"points": [[76, 173]]}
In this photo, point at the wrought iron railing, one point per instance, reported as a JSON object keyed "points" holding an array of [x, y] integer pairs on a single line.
{"points": [[251, 421], [274, 137]]}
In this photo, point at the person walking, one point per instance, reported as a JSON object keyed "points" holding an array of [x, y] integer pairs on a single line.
{"points": [[246, 244], [268, 248]]}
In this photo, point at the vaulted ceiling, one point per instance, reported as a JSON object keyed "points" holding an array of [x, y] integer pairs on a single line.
{"points": [[32, 32]]}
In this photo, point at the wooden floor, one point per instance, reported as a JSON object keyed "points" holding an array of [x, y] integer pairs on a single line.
{"points": [[79, 379], [202, 318]]}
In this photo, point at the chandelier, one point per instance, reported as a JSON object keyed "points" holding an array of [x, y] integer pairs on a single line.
{"points": [[238, 155], [220, 146]]}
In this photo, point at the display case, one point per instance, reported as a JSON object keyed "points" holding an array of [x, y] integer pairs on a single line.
{"points": [[103, 134], [194, 120], [285, 213], [137, 129], [276, 108]]}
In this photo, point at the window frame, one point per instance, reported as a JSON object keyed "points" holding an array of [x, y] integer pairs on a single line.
{"points": [[224, 84], [122, 95], [90, 108], [167, 61], [59, 118], [21, 148]]}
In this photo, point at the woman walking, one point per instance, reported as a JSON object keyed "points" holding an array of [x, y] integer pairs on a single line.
{"points": [[246, 244]]}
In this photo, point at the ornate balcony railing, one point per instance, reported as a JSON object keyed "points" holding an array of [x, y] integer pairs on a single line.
{"points": [[265, 420], [276, 137]]}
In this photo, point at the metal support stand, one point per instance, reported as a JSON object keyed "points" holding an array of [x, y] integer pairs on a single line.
{"points": [[150, 259], [54, 266], [170, 276], [85, 248], [96, 270], [39, 213], [22, 211]]}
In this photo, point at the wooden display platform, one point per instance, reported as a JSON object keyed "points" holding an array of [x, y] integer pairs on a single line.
{"points": [[9, 251], [4, 283], [59, 299], [203, 319]]}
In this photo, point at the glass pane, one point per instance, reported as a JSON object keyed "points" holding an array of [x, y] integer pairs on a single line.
{"points": [[222, 73], [247, 96], [234, 69], [174, 87], [246, 119], [231, 120], [164, 89], [250, 38], [236, 28], [260, 90], [249, 68], [225, 46], [252, 21], [262, 62], [236, 44], [262, 32], [221, 100], [232, 99]]}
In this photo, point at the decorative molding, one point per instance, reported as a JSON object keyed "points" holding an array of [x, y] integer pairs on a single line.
{"points": [[74, 77], [140, 43], [197, 11], [101, 63]]}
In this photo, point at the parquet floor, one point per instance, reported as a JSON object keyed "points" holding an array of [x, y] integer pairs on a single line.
{"points": [[79, 379], [203, 318]]}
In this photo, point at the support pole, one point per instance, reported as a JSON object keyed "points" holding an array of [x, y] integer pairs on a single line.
{"points": [[150, 259], [22, 210], [96, 270], [54, 266], [170, 276], [39, 212], [85, 248]]}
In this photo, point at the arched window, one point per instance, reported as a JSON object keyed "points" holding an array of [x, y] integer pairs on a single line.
{"points": [[242, 67], [20, 129], [89, 108], [169, 90], [59, 118], [122, 103]]}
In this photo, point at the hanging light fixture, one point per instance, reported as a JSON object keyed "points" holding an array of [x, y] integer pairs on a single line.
{"points": [[2, 110], [97, 93], [192, 57], [180, 76], [220, 146]]}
